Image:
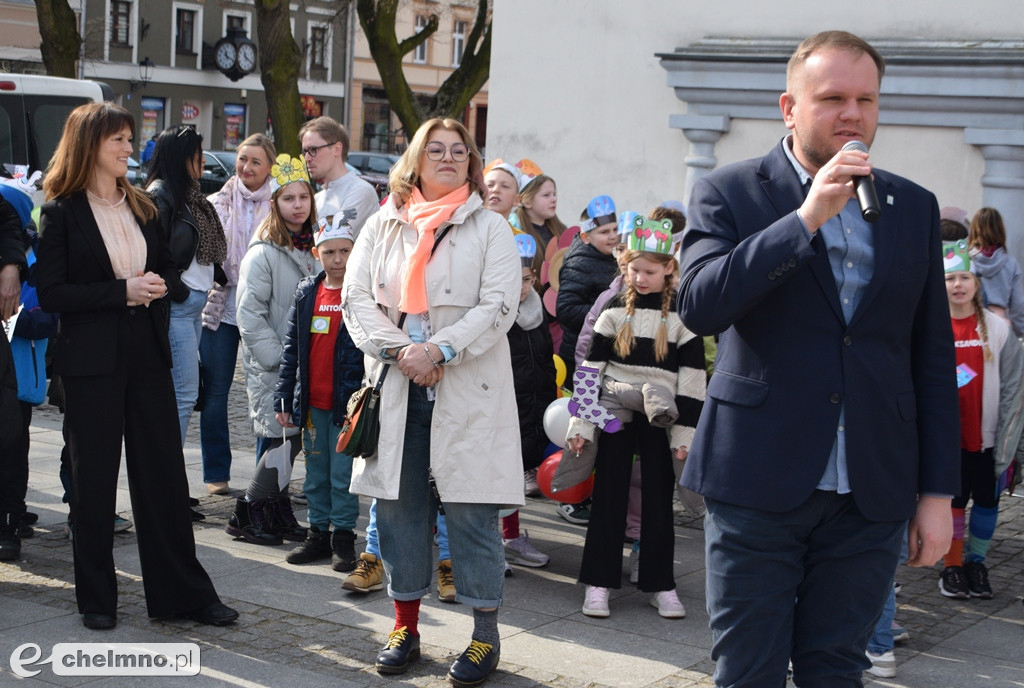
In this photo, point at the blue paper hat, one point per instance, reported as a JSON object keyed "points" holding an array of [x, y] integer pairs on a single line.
{"points": [[600, 211], [626, 223], [527, 247]]}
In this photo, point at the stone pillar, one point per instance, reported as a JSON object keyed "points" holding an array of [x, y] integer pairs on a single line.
{"points": [[1003, 181], [703, 132]]}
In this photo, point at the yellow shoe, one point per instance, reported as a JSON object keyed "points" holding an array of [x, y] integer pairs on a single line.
{"points": [[445, 581], [368, 576]]}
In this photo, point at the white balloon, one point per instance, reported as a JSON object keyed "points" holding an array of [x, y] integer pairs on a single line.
{"points": [[556, 421]]}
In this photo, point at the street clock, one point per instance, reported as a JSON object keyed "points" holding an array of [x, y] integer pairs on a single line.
{"points": [[235, 54]]}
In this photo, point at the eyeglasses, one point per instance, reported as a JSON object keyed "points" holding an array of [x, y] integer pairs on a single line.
{"points": [[436, 151], [313, 150]]}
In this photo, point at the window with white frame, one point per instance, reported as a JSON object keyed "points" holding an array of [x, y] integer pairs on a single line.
{"points": [[184, 40], [236, 21], [419, 56], [120, 20], [318, 47], [458, 42]]}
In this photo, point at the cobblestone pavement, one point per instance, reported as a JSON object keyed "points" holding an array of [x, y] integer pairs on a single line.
{"points": [[298, 628]]}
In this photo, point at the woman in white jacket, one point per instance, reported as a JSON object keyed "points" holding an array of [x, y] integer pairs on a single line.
{"points": [[448, 407], [279, 257]]}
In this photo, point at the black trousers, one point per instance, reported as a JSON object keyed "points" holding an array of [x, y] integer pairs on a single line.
{"points": [[135, 403], [602, 552]]}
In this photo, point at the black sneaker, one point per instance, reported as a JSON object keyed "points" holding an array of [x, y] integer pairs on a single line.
{"points": [[953, 583], [402, 648], [977, 580], [10, 543], [474, 665]]}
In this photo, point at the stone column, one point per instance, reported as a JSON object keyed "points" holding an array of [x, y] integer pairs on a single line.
{"points": [[1003, 181], [703, 132]]}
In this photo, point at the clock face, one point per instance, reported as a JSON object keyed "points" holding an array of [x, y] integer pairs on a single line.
{"points": [[246, 57], [226, 55]]}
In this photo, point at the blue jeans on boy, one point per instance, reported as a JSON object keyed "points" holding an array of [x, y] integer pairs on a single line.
{"points": [[881, 640], [372, 543], [328, 474], [406, 524], [185, 325], [218, 350]]}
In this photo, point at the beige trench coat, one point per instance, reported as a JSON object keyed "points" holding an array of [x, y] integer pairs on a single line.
{"points": [[473, 290]]}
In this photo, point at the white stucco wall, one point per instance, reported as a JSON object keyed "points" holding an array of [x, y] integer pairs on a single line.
{"points": [[576, 87]]}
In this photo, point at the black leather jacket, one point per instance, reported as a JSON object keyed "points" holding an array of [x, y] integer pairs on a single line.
{"points": [[181, 231]]}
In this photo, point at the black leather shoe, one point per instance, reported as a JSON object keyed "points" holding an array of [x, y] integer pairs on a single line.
{"points": [[474, 665], [402, 648], [216, 614], [99, 622]]}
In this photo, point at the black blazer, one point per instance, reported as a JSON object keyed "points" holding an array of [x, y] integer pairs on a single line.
{"points": [[787, 358], [74, 277]]}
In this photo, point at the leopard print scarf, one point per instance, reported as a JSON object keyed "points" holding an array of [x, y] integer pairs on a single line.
{"points": [[213, 247]]}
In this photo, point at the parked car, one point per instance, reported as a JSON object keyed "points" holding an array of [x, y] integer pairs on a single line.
{"points": [[136, 172], [218, 166], [374, 168]]}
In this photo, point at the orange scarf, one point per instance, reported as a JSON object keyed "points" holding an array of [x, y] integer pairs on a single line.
{"points": [[426, 216]]}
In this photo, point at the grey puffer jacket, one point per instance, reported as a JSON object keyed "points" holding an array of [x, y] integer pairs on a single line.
{"points": [[267, 280]]}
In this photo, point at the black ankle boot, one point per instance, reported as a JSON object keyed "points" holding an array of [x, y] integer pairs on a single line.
{"points": [[10, 543], [282, 520], [343, 546], [249, 522], [317, 546]]}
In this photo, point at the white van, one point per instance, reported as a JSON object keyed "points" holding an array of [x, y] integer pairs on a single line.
{"points": [[32, 114]]}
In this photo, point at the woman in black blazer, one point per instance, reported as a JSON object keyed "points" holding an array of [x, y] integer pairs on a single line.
{"points": [[102, 266]]}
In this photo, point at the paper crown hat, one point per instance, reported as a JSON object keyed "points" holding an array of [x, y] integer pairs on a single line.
{"points": [[956, 257], [528, 171], [20, 179], [287, 170], [650, 236], [527, 246], [626, 223], [499, 164], [600, 211], [335, 228], [675, 205]]}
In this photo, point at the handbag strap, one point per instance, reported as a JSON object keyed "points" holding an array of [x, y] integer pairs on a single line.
{"points": [[383, 373]]}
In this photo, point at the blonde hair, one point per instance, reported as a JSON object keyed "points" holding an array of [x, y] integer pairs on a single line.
{"points": [[624, 338], [72, 165], [405, 174], [554, 225], [261, 141], [979, 312], [273, 228]]}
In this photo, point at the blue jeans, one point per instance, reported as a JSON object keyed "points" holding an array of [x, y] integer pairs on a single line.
{"points": [[881, 639], [186, 322], [328, 474], [443, 551], [218, 350], [372, 543], [807, 584], [406, 541]]}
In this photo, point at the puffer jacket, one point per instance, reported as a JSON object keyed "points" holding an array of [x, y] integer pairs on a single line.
{"points": [[585, 273], [348, 360], [267, 280], [533, 375], [182, 232], [473, 283]]}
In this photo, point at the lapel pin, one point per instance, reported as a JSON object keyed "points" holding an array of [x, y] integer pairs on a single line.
{"points": [[888, 199]]}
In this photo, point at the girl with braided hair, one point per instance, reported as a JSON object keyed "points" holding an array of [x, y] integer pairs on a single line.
{"points": [[990, 364], [650, 372]]}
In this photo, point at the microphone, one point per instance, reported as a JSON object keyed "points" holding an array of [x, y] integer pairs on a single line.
{"points": [[865, 186]]}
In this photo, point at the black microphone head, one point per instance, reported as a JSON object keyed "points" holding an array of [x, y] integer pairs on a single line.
{"points": [[855, 146]]}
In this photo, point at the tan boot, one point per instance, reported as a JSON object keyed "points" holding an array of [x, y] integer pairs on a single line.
{"points": [[445, 581]]}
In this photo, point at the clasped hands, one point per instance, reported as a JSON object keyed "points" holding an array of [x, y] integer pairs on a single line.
{"points": [[144, 288], [416, 365]]}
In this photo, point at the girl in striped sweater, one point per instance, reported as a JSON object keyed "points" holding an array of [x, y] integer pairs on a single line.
{"points": [[639, 345]]}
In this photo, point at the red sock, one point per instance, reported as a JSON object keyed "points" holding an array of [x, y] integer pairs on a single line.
{"points": [[510, 526], [407, 613]]}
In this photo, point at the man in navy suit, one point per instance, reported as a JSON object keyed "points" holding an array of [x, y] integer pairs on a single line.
{"points": [[831, 419]]}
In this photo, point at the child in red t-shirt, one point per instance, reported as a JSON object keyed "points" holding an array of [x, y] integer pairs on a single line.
{"points": [[320, 360], [989, 363]]}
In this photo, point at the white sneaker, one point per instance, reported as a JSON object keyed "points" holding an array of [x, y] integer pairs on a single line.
{"points": [[521, 552], [883, 665], [596, 602], [668, 604], [634, 566]]}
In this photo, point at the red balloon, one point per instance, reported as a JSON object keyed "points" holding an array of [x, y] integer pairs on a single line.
{"points": [[570, 495]]}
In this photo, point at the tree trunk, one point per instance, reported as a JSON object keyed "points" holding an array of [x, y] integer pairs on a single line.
{"points": [[61, 43], [280, 61], [377, 18]]}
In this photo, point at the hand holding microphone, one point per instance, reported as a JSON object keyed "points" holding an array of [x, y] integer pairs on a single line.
{"points": [[865, 186]]}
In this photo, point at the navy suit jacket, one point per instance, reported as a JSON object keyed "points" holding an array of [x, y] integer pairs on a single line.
{"points": [[787, 359]]}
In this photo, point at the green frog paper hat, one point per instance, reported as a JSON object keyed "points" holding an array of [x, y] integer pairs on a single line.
{"points": [[650, 236], [956, 257]]}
